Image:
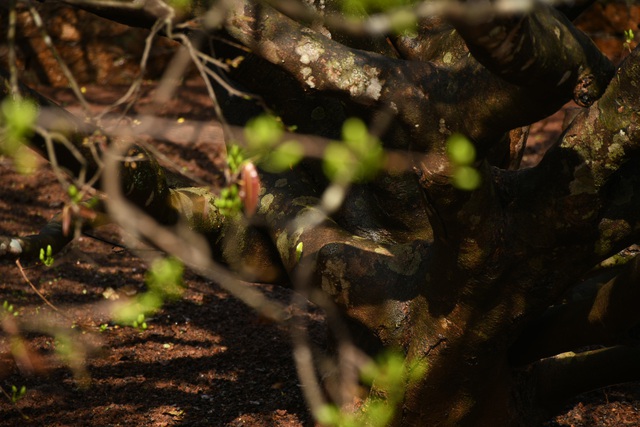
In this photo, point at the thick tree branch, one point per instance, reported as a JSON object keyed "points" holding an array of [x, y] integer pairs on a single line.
{"points": [[561, 377], [314, 60], [541, 50], [603, 318]]}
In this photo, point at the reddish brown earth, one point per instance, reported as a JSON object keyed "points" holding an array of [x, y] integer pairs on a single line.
{"points": [[205, 359]]}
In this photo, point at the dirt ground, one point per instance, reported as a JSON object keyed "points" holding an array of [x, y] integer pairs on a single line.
{"points": [[205, 360]]}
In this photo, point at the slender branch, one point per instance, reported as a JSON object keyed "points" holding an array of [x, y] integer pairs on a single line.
{"points": [[42, 297], [134, 88]]}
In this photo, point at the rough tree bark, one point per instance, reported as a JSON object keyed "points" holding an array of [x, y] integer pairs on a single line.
{"points": [[472, 284]]}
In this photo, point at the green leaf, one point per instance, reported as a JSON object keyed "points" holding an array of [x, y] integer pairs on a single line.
{"points": [[19, 115], [229, 203], [263, 132], [73, 193], [358, 158], [17, 118], [460, 150], [466, 178], [283, 157], [338, 162], [299, 249], [328, 415], [46, 256], [354, 130], [235, 157]]}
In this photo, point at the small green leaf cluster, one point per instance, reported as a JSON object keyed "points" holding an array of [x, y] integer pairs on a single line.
{"points": [[139, 323], [164, 282], [462, 154], [9, 308], [74, 194], [388, 376], [235, 158], [46, 256], [357, 158], [264, 140], [17, 120], [628, 38], [17, 393], [229, 203]]}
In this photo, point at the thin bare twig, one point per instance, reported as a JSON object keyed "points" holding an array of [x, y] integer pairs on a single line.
{"points": [[42, 297], [134, 88], [11, 42]]}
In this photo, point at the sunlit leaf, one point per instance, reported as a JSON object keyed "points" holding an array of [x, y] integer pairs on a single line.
{"points": [[263, 132], [358, 158], [17, 120], [283, 157], [19, 115], [466, 178], [460, 150], [354, 131], [338, 162]]}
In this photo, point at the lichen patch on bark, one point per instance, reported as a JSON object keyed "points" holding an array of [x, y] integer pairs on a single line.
{"points": [[334, 282], [309, 50], [359, 81]]}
